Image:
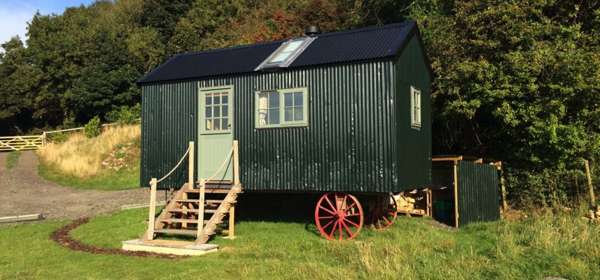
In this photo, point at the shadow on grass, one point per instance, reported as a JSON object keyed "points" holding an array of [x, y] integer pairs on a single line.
{"points": [[277, 207]]}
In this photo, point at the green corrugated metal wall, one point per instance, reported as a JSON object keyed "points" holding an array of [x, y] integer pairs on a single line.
{"points": [[354, 141], [478, 199], [168, 124], [414, 149]]}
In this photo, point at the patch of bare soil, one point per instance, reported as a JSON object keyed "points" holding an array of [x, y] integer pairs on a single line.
{"points": [[22, 191], [62, 236]]}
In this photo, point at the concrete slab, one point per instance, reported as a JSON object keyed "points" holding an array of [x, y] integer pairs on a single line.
{"points": [[182, 248]]}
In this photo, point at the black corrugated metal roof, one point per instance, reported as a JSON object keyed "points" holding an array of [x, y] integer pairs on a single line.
{"points": [[329, 48]]}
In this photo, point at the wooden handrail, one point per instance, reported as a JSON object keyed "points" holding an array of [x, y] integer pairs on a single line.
{"points": [[189, 153]]}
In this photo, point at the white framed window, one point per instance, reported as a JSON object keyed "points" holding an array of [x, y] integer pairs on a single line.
{"points": [[282, 108], [415, 108]]}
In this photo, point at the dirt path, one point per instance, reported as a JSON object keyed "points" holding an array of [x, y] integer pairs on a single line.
{"points": [[22, 191]]}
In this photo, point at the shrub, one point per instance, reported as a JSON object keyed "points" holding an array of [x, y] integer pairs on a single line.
{"points": [[59, 137], [93, 128], [125, 115]]}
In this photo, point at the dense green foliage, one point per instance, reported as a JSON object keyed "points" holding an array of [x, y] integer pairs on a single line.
{"points": [[516, 81], [551, 245], [125, 115], [92, 128], [519, 81]]}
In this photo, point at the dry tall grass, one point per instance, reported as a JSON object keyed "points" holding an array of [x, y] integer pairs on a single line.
{"points": [[82, 157]]}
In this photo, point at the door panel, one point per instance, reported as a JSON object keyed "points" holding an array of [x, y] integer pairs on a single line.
{"points": [[215, 137]]}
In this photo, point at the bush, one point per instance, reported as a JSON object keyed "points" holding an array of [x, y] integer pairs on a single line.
{"points": [[550, 186], [93, 128], [59, 137], [125, 115]]}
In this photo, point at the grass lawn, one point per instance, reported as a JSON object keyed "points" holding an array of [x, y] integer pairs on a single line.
{"points": [[123, 179], [548, 245], [12, 159]]}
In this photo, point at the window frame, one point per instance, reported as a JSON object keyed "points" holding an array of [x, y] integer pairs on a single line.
{"points": [[416, 118], [282, 122], [267, 64], [202, 108]]}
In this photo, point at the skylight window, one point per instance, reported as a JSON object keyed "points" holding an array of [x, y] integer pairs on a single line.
{"points": [[286, 53]]}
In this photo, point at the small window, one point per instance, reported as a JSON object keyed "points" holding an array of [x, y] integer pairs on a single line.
{"points": [[268, 108], [216, 112], [286, 53], [281, 108], [415, 105]]}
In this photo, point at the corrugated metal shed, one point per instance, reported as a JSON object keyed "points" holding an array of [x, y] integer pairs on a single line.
{"points": [[477, 192], [355, 141]]}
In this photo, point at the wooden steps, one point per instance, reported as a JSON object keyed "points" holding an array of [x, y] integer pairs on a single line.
{"points": [[210, 190], [172, 247], [181, 214], [195, 211], [175, 220], [185, 232], [206, 201], [188, 207]]}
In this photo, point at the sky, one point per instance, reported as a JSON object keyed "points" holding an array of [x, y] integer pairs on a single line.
{"points": [[14, 14]]}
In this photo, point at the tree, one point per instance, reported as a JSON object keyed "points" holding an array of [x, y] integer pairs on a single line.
{"points": [[517, 81]]}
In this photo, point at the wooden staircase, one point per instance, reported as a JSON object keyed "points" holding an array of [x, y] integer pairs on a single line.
{"points": [[183, 213]]}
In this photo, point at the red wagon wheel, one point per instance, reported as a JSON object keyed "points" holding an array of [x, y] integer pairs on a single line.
{"points": [[339, 216], [385, 212]]}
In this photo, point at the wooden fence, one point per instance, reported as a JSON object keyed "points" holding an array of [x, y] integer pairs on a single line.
{"points": [[34, 142], [20, 143]]}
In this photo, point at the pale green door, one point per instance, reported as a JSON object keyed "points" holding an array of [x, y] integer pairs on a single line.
{"points": [[215, 137]]}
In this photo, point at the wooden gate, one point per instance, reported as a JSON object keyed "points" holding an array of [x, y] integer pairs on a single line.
{"points": [[20, 143]]}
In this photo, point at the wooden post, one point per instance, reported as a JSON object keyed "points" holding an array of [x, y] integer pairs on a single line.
{"points": [[201, 209], [429, 202], [152, 210], [231, 231], [455, 194], [191, 166], [236, 164], [44, 139], [588, 173], [502, 186]]}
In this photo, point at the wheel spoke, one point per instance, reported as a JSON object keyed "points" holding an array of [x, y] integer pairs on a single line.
{"points": [[330, 204], [340, 227], [333, 229], [388, 221], [328, 224], [351, 205], [327, 210], [348, 229], [326, 217], [351, 222]]}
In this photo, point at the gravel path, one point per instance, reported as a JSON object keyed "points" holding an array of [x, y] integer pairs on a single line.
{"points": [[22, 192]]}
